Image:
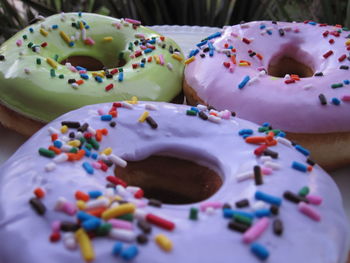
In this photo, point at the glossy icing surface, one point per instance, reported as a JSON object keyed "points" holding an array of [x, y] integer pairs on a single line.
{"points": [[30, 88], [293, 107], [215, 145]]}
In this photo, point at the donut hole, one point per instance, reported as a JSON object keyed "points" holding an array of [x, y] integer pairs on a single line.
{"points": [[91, 63], [171, 180], [282, 65]]}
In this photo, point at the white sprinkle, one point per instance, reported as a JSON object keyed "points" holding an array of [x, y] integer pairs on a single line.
{"points": [[127, 105], [284, 141], [272, 165], [132, 189], [27, 70], [265, 158], [259, 205], [50, 167], [287, 76], [109, 192], [66, 148], [307, 87], [60, 203], [83, 34], [253, 80], [52, 130], [122, 235], [122, 191], [69, 241], [262, 73], [151, 107], [91, 130], [62, 157], [213, 118], [117, 160], [210, 210], [74, 85], [202, 107], [140, 214], [169, 66], [97, 203], [244, 176]]}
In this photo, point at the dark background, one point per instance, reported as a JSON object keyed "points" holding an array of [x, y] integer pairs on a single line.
{"points": [[16, 14]]}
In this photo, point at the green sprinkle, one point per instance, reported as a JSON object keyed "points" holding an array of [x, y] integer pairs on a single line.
{"points": [[73, 150], [127, 217], [131, 47], [30, 44], [121, 55], [103, 229], [88, 146], [191, 112], [345, 29], [193, 213], [304, 191], [46, 153], [120, 69], [94, 143], [52, 73], [263, 129], [55, 57], [61, 76], [242, 219], [25, 37], [275, 131], [337, 85], [38, 61], [82, 140]]}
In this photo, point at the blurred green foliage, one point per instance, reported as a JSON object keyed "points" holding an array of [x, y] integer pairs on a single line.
{"points": [[16, 14]]}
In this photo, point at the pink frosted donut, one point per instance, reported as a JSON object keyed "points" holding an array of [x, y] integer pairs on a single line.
{"points": [[293, 75], [91, 192]]}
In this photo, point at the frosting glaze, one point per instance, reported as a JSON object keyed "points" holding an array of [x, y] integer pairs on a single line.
{"points": [[215, 145], [293, 107], [28, 88]]}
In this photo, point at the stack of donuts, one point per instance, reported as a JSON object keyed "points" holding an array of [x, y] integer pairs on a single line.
{"points": [[130, 178]]}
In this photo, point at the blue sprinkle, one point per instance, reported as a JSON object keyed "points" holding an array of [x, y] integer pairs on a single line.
{"points": [[88, 168], [95, 194], [98, 79], [94, 156], [152, 41], [269, 32], [246, 131], [299, 166], [211, 49], [244, 136], [120, 76], [87, 151], [195, 109], [274, 200], [106, 117], [263, 213], [142, 65], [346, 82], [80, 68], [54, 26], [215, 35], [117, 248], [71, 44], [266, 124], [91, 224], [148, 50], [313, 23], [83, 216], [302, 150], [130, 252], [202, 43], [57, 144], [281, 134], [31, 30], [193, 52], [80, 14], [336, 101], [262, 26], [243, 82], [84, 76], [259, 250]]}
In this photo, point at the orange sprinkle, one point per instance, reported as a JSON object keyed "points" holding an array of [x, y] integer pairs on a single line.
{"points": [[295, 77], [113, 113], [255, 139], [98, 135], [54, 137], [39, 192], [162, 38], [97, 211], [149, 59], [54, 149], [104, 131], [79, 195], [233, 59], [259, 56], [79, 81]]}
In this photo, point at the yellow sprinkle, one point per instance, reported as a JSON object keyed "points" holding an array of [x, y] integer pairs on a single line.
{"points": [[116, 198], [118, 211], [143, 116], [100, 74], [107, 39], [81, 25], [81, 204], [164, 242], [177, 57], [51, 62], [243, 64], [134, 100], [347, 42], [84, 242], [64, 129], [74, 143], [156, 57], [107, 151], [189, 60], [65, 37], [43, 32]]}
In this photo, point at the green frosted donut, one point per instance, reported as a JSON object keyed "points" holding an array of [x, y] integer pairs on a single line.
{"points": [[123, 59]]}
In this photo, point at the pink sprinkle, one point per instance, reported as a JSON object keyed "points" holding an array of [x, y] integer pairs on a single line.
{"points": [[55, 226], [96, 165], [346, 98], [69, 208], [266, 170], [143, 47], [89, 41], [140, 203], [309, 211], [100, 112], [256, 230], [133, 21], [225, 114], [161, 59], [314, 199], [73, 69], [123, 224], [234, 34], [296, 30], [215, 205], [19, 42], [117, 25]]}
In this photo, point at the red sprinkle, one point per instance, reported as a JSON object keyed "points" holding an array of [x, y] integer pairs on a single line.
{"points": [[54, 137], [289, 81], [246, 40], [55, 236], [116, 180], [342, 58], [331, 41], [329, 53], [325, 33], [114, 71], [227, 64], [44, 44], [109, 87], [139, 194], [161, 222], [39, 192], [260, 150], [117, 105], [346, 98]]}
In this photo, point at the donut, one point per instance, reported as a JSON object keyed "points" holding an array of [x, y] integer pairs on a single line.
{"points": [[166, 183], [292, 75], [66, 61]]}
